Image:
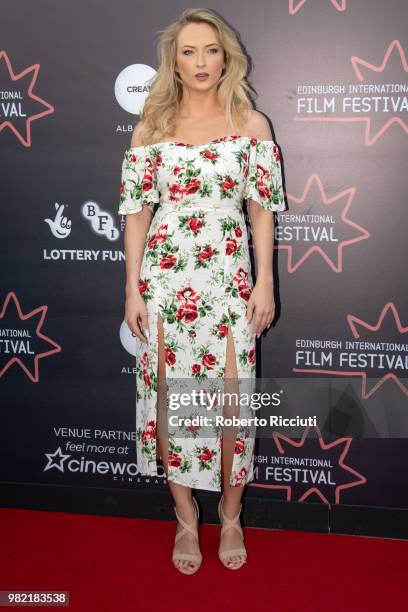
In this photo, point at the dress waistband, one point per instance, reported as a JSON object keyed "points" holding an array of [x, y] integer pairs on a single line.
{"points": [[191, 209]]}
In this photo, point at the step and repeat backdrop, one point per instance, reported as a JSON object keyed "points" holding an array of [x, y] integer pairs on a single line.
{"points": [[331, 76]]}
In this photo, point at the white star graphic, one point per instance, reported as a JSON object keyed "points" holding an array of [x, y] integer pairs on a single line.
{"points": [[50, 456]]}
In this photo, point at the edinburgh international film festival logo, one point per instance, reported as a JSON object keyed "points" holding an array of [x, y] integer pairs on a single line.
{"points": [[372, 349], [23, 341], [19, 104], [318, 226], [309, 467], [296, 5], [375, 95]]}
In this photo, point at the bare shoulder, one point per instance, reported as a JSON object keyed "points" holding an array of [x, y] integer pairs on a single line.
{"points": [[258, 126], [136, 140]]}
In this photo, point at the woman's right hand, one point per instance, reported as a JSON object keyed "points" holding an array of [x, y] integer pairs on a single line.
{"points": [[136, 315]]}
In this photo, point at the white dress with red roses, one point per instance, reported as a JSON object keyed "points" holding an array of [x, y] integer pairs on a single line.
{"points": [[196, 274]]}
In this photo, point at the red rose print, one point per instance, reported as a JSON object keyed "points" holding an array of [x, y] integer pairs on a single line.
{"points": [[192, 186], [206, 455], [231, 246], [170, 356], [144, 360], [264, 191], [122, 188], [239, 447], [252, 356], [152, 242], [209, 361], [133, 158], [147, 379], [229, 183], [195, 225], [241, 276], [245, 293], [174, 460], [209, 154], [241, 476], [263, 172], [188, 293], [142, 286], [196, 369], [187, 312], [176, 192], [168, 262], [238, 231], [150, 431], [162, 233], [206, 253], [222, 330]]}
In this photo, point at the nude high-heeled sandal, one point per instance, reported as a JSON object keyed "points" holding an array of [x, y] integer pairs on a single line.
{"points": [[193, 529], [227, 523]]}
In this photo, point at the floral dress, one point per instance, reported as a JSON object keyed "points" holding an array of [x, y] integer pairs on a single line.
{"points": [[196, 274]]}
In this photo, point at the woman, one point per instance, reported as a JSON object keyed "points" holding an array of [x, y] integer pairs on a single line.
{"points": [[198, 150]]}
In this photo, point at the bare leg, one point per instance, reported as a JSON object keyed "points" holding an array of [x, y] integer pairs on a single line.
{"points": [[182, 495], [232, 495]]}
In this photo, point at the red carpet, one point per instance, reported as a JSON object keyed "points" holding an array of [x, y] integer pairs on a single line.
{"points": [[120, 564]]}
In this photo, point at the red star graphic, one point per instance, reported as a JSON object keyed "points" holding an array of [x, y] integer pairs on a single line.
{"points": [[356, 62], [41, 309], [26, 139], [332, 204], [352, 321], [340, 5], [278, 437]]}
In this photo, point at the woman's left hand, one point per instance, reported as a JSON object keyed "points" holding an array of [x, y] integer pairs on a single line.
{"points": [[262, 300]]}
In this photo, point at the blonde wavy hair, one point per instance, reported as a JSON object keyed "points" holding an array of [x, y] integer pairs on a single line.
{"points": [[161, 107]]}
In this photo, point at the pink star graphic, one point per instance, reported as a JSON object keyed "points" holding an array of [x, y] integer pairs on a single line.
{"points": [[25, 140], [41, 309], [340, 5], [356, 62], [298, 444], [352, 321], [336, 266]]}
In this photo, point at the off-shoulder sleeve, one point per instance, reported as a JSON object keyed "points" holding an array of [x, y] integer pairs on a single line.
{"points": [[138, 184], [264, 178]]}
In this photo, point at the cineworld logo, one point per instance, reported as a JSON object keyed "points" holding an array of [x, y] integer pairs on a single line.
{"points": [[65, 464], [318, 226], [19, 105], [377, 352], [309, 467], [376, 97], [296, 5]]}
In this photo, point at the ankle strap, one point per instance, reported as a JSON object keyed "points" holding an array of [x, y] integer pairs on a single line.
{"points": [[190, 527], [228, 523]]}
